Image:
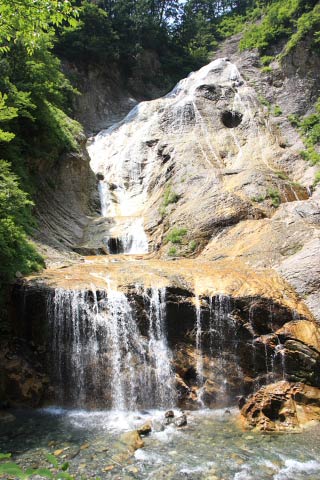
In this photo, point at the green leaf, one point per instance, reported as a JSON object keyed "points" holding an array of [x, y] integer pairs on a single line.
{"points": [[4, 455], [65, 466], [44, 472], [64, 475], [52, 459], [13, 469]]}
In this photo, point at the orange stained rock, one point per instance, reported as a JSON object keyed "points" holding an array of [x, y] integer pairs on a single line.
{"points": [[202, 278]]}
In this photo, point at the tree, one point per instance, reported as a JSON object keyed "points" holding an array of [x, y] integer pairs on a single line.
{"points": [[25, 20]]}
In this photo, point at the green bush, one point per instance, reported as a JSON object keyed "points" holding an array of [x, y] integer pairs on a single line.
{"points": [[275, 197], [266, 59], [172, 252], [193, 245], [310, 129], [282, 175], [259, 198], [308, 23], [316, 179], [176, 235], [311, 155], [266, 69], [277, 111], [169, 196], [279, 21]]}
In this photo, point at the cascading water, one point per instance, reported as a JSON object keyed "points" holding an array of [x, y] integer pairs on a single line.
{"points": [[101, 356], [127, 157], [216, 336]]}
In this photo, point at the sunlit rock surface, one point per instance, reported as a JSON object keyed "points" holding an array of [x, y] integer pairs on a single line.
{"points": [[282, 406], [200, 173]]}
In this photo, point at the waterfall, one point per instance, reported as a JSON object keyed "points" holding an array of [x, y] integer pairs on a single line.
{"points": [[100, 355], [216, 338]]}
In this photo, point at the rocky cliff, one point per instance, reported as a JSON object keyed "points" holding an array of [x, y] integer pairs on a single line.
{"points": [[207, 188]]}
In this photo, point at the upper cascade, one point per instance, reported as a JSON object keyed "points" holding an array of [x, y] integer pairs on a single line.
{"points": [[131, 159]]}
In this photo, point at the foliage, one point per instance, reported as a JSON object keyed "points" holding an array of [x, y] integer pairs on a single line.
{"points": [[176, 235], [266, 69], [282, 175], [316, 179], [93, 39], [14, 470], [16, 252], [308, 23], [273, 194], [275, 197], [169, 196], [291, 19], [309, 127], [24, 21], [264, 101], [259, 198], [34, 98], [277, 111], [266, 59], [172, 252], [192, 245]]}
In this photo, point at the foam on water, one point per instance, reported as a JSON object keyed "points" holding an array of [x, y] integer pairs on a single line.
{"points": [[292, 468]]}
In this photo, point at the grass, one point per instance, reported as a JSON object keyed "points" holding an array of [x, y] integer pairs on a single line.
{"points": [[259, 198], [169, 197]]}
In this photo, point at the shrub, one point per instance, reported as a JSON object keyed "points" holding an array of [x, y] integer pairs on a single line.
{"points": [[316, 179], [258, 199], [176, 235], [266, 59], [192, 245], [172, 252], [266, 69], [277, 111], [275, 197], [169, 196], [278, 22], [282, 175]]}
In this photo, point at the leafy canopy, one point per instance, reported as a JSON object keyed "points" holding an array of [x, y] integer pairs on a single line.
{"points": [[26, 20]]}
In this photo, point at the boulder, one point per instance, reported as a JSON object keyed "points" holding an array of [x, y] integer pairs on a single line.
{"points": [[181, 421], [145, 429], [282, 406], [132, 440]]}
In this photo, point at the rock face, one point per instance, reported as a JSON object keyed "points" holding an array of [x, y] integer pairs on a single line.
{"points": [[107, 95], [210, 138], [204, 173], [65, 201], [23, 380], [282, 406], [201, 337]]}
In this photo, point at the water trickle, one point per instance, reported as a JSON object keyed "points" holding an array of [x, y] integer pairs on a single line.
{"points": [[216, 343], [100, 355], [199, 364]]}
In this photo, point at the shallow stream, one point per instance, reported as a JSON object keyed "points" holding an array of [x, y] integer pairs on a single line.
{"points": [[210, 447]]}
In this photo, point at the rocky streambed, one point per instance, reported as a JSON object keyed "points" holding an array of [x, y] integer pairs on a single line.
{"points": [[105, 444]]}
